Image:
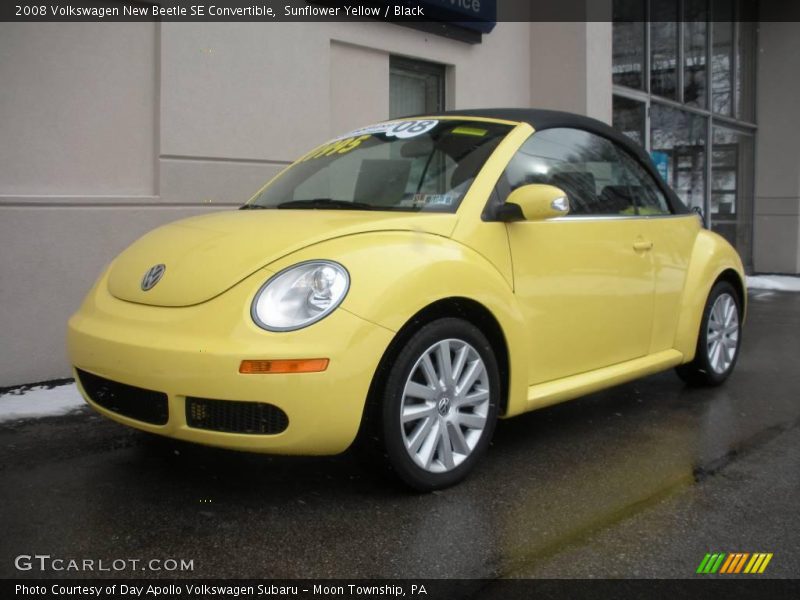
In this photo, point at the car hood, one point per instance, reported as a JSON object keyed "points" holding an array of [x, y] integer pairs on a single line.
{"points": [[207, 255]]}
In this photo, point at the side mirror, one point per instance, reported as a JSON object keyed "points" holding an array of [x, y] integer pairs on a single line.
{"points": [[534, 202]]}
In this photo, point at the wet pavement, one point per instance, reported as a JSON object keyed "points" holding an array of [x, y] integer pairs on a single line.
{"points": [[638, 481]]}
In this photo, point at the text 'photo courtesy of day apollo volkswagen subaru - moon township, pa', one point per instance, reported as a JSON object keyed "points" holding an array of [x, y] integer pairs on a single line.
{"points": [[407, 284]]}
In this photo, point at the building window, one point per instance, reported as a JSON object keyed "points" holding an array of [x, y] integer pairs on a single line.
{"points": [[722, 58], [695, 67], [745, 80], [677, 145], [629, 44], [629, 116], [664, 48], [684, 88], [415, 87]]}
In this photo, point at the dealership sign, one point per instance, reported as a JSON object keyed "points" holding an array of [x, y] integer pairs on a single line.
{"points": [[477, 15]]}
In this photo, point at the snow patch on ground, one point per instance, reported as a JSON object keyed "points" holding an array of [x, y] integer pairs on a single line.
{"points": [[39, 401], [782, 283]]}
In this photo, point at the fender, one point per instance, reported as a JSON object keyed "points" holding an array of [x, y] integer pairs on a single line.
{"points": [[712, 256], [389, 284]]}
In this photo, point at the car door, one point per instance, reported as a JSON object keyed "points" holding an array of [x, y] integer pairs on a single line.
{"points": [[585, 281], [673, 235]]}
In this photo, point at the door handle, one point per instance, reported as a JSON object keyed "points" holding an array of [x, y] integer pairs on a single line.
{"points": [[642, 245]]}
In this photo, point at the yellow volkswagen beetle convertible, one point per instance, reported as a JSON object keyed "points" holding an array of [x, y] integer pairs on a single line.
{"points": [[406, 285]]}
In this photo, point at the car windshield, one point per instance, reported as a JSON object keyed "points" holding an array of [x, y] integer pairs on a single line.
{"points": [[407, 165]]}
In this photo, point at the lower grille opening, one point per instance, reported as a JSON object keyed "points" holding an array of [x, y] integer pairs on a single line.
{"points": [[127, 400], [232, 416]]}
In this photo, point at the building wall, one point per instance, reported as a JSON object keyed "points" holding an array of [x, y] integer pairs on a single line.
{"points": [[571, 67], [111, 129], [776, 222], [78, 176]]}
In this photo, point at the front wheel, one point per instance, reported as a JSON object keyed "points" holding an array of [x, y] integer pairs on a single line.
{"points": [[719, 339], [440, 404]]}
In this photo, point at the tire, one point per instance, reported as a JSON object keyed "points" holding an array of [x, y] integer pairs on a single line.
{"points": [[433, 427], [719, 339]]}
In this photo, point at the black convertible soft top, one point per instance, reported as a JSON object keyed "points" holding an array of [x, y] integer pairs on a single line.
{"points": [[541, 119]]}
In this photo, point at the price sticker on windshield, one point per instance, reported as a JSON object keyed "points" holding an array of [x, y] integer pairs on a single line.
{"points": [[409, 129], [342, 146], [396, 129]]}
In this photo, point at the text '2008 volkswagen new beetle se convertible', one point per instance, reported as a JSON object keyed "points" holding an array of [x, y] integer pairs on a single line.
{"points": [[407, 284]]}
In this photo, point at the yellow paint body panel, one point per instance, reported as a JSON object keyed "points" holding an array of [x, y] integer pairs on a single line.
{"points": [[553, 392], [208, 254], [673, 240], [415, 271], [579, 306], [196, 351], [586, 294], [711, 257]]}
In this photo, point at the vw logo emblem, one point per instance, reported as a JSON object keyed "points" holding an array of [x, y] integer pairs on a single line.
{"points": [[153, 276]]}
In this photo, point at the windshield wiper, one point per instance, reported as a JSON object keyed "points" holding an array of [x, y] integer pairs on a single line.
{"points": [[252, 207], [326, 203]]}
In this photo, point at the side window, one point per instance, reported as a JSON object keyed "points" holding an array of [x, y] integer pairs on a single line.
{"points": [[650, 199], [586, 166]]}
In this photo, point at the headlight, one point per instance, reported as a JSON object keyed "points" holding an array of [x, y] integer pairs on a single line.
{"points": [[300, 295]]}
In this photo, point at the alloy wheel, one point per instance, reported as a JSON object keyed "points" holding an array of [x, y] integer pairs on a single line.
{"points": [[722, 337], [445, 405]]}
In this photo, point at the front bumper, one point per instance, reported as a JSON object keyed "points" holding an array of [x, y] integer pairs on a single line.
{"points": [[196, 351]]}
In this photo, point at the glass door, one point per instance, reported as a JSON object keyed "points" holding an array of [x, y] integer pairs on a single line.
{"points": [[732, 188]]}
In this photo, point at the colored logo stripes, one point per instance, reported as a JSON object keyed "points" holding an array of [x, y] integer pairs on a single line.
{"points": [[734, 562]]}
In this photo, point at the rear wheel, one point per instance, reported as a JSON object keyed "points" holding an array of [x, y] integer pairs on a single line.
{"points": [[719, 338], [439, 405]]}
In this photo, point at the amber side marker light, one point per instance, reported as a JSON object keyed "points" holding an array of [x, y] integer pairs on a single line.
{"points": [[303, 365]]}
